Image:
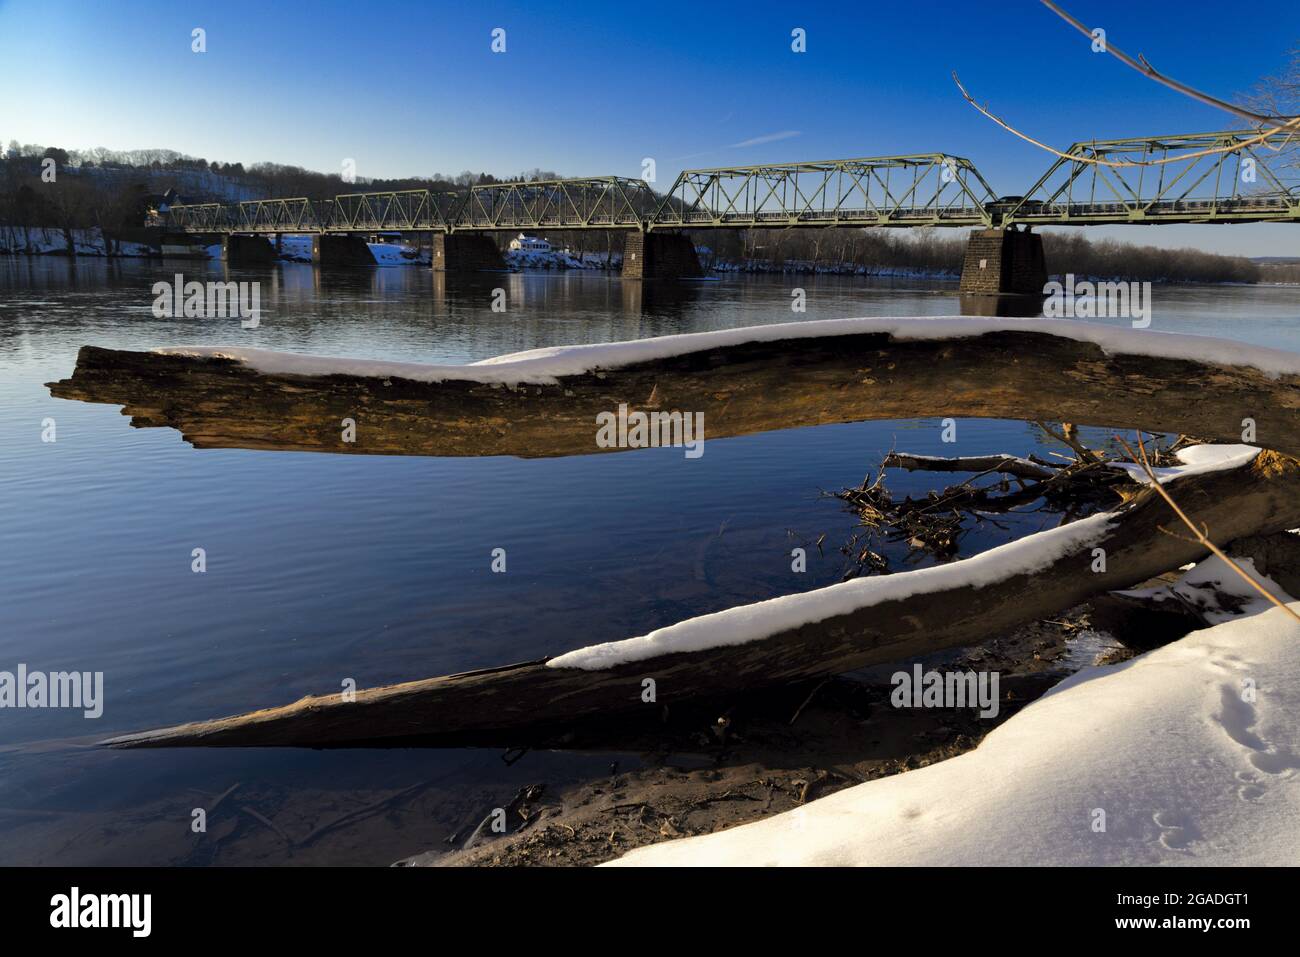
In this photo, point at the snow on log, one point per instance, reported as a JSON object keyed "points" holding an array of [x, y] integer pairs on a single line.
{"points": [[827, 631], [546, 402]]}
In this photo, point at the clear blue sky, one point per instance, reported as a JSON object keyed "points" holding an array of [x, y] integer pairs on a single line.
{"points": [[409, 88]]}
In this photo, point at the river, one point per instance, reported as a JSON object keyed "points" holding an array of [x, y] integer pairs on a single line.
{"points": [[323, 568]]}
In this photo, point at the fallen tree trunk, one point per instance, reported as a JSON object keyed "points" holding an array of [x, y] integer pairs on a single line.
{"points": [[853, 370], [827, 631]]}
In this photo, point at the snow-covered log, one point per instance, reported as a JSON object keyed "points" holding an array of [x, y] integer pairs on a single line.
{"points": [[830, 630], [1013, 465], [547, 402]]}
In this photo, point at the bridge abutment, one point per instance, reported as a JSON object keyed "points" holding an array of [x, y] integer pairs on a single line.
{"points": [[1003, 262], [660, 256], [240, 250], [465, 252], [328, 249]]}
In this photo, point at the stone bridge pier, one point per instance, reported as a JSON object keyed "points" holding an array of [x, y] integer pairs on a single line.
{"points": [[1003, 262], [332, 249], [465, 252], [246, 250], [656, 255]]}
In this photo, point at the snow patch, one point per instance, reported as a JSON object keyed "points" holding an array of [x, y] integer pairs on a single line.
{"points": [[392, 254], [1196, 459], [43, 241], [559, 259], [1215, 591]]}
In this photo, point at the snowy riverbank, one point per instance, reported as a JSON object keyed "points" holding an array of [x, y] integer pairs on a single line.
{"points": [[1185, 755], [41, 241]]}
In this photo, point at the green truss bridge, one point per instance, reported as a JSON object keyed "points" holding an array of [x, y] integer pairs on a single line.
{"points": [[1224, 177]]}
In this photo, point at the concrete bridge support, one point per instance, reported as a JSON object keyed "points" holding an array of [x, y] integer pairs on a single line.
{"points": [[237, 250], [465, 252], [1003, 261], [660, 256], [328, 249]]}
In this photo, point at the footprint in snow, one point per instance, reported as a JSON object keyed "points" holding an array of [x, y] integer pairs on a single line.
{"points": [[1238, 719], [1176, 831]]}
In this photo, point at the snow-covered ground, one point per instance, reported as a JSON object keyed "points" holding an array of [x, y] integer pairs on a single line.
{"points": [[297, 249], [558, 259], [391, 254], [39, 241], [1183, 756]]}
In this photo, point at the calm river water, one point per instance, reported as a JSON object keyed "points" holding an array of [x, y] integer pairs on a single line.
{"points": [[324, 567]]}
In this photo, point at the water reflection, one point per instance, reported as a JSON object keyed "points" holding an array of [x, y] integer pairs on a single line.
{"points": [[1015, 307]]}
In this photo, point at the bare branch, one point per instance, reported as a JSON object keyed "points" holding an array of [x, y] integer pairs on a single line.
{"points": [[1291, 125], [1146, 69]]}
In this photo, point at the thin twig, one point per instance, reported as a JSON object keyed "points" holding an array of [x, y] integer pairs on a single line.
{"points": [[352, 817], [1084, 453], [808, 700]]}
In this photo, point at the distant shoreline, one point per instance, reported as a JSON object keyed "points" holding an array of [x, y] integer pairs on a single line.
{"points": [[92, 244]]}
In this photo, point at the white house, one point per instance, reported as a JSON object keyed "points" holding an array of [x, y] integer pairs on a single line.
{"points": [[530, 244]]}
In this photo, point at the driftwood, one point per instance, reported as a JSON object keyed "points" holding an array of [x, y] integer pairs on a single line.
{"points": [[503, 705], [740, 389], [1011, 465]]}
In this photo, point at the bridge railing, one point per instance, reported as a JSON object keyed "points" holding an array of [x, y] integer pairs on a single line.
{"points": [[1240, 208]]}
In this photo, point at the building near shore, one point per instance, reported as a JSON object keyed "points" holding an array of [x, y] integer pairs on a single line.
{"points": [[530, 244]]}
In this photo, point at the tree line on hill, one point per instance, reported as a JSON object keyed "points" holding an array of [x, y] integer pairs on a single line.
{"points": [[56, 188]]}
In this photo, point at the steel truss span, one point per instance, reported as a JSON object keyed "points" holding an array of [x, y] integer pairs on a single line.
{"points": [[1226, 177]]}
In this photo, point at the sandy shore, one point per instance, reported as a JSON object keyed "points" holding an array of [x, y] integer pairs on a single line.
{"points": [[777, 751]]}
